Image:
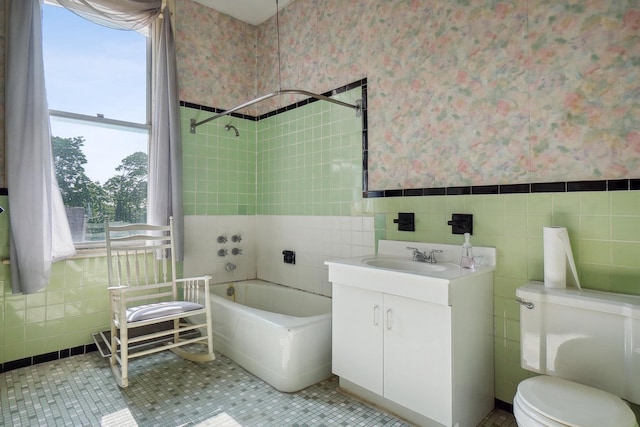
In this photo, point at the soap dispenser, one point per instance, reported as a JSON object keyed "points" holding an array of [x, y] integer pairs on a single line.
{"points": [[466, 260]]}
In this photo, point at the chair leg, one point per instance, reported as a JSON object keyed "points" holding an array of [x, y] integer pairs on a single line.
{"points": [[119, 368]]}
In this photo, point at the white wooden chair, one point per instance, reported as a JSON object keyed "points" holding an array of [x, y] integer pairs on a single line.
{"points": [[151, 310]]}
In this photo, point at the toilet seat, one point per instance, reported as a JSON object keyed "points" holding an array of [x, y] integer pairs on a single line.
{"points": [[556, 402]]}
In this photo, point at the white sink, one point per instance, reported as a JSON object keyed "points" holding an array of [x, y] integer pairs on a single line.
{"points": [[402, 264], [393, 271]]}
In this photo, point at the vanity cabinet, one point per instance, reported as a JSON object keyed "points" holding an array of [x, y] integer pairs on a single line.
{"points": [[395, 347], [413, 338]]}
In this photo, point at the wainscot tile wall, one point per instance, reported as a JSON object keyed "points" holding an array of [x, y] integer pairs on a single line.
{"points": [[603, 226], [57, 321]]}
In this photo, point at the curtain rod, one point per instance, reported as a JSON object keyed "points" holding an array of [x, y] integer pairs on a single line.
{"points": [[357, 106]]}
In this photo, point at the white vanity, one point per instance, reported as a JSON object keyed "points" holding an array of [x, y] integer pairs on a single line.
{"points": [[415, 337]]}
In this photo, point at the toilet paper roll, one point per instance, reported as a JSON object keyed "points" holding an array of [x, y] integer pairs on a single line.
{"points": [[557, 251]]}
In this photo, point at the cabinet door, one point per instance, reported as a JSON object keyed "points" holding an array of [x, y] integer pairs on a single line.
{"points": [[357, 336], [417, 356]]}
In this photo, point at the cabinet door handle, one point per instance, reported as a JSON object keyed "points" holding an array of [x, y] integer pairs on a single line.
{"points": [[376, 312], [389, 322]]}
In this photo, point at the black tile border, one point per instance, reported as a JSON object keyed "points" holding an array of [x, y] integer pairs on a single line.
{"points": [[353, 85], [502, 405], [537, 187], [47, 357]]}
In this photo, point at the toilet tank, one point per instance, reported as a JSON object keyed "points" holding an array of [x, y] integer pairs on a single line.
{"points": [[589, 337]]}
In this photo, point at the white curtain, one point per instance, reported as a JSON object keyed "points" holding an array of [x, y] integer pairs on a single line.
{"points": [[165, 152], [39, 228]]}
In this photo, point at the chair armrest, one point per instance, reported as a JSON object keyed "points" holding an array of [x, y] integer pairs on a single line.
{"points": [[187, 279]]}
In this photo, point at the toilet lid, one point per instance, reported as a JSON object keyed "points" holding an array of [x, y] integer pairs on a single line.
{"points": [[573, 404]]}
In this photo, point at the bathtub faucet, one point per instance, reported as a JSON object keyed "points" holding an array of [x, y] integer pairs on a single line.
{"points": [[230, 266]]}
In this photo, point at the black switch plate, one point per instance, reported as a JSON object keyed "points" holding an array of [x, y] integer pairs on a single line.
{"points": [[406, 221], [461, 223], [289, 257]]}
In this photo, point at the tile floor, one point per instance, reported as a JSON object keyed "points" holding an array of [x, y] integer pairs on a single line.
{"points": [[166, 390]]}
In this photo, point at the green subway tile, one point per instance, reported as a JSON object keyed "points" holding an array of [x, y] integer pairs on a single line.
{"points": [[594, 276], [36, 330], [515, 225], [566, 204], [35, 300], [536, 224], [513, 351], [540, 204], [626, 280], [512, 258], [75, 339], [36, 315], [595, 252], [515, 204], [626, 228], [14, 335], [55, 297], [625, 254], [15, 351], [595, 227], [595, 203], [625, 203], [55, 311], [499, 328], [35, 347]]}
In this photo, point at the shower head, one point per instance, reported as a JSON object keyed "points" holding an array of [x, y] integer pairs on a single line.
{"points": [[229, 127]]}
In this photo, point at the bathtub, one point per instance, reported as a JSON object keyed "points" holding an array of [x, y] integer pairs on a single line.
{"points": [[280, 334]]}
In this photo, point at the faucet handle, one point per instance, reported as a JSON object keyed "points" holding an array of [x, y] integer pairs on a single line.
{"points": [[418, 255]]}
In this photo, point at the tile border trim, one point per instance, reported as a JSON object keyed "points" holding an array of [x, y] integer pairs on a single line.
{"points": [[353, 85], [47, 357], [536, 187]]}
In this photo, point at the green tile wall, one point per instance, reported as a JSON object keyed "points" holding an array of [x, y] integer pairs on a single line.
{"points": [[603, 228], [61, 316], [310, 160], [219, 169], [305, 161]]}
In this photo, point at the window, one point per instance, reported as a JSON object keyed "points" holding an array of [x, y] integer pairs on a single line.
{"points": [[98, 89]]}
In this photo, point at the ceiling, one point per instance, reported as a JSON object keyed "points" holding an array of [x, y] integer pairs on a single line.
{"points": [[254, 12]]}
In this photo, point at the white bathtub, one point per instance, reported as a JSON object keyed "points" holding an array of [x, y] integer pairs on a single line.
{"points": [[280, 334]]}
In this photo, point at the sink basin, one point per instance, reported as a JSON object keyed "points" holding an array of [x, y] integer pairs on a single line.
{"points": [[402, 265]]}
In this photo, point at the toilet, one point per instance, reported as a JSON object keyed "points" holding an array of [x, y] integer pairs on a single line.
{"points": [[586, 347]]}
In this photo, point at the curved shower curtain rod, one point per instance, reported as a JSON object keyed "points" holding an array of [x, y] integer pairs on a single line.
{"points": [[357, 106]]}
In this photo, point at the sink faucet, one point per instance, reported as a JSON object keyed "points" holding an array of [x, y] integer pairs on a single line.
{"points": [[424, 256]]}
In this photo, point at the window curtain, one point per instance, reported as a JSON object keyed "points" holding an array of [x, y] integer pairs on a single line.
{"points": [[164, 196], [40, 231], [165, 151]]}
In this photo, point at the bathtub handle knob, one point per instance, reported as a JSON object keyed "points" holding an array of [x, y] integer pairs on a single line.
{"points": [[376, 311], [236, 238], [222, 252], [236, 251], [222, 239]]}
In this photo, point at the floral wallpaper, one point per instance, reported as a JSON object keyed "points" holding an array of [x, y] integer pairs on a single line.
{"points": [[459, 92], [216, 58]]}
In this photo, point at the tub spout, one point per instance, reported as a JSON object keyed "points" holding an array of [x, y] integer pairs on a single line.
{"points": [[230, 266]]}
